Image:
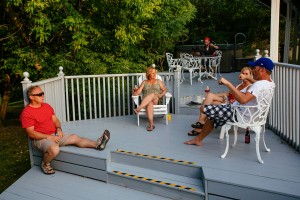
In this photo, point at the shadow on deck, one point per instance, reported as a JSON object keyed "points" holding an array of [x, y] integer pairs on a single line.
{"points": [[159, 163]]}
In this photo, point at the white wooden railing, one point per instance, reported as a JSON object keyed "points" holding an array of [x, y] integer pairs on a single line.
{"points": [[95, 96], [284, 117], [54, 92], [100, 96]]}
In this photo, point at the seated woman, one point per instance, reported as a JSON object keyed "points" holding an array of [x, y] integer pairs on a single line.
{"points": [[153, 90], [220, 98]]}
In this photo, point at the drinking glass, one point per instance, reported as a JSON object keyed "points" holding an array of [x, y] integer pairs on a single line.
{"points": [[207, 89]]}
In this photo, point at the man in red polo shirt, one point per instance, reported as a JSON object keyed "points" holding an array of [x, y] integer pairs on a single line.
{"points": [[44, 129]]}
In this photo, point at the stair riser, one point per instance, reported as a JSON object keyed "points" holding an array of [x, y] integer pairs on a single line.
{"points": [[72, 168], [159, 165], [152, 188]]}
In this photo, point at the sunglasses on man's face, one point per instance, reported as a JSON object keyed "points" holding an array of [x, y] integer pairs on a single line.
{"points": [[39, 94]]}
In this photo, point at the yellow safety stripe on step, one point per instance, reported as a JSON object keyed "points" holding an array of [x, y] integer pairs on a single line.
{"points": [[156, 157], [155, 181]]}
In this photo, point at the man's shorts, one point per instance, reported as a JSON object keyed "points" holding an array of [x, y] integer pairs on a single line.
{"points": [[219, 114], [44, 144]]}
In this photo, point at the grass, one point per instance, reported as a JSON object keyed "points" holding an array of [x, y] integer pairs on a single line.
{"points": [[14, 153]]}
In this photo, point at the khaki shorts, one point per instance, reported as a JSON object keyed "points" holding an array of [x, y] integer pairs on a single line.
{"points": [[44, 144]]}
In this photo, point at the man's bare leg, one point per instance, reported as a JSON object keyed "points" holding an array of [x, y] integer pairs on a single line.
{"points": [[80, 142], [51, 153], [207, 128], [211, 98]]}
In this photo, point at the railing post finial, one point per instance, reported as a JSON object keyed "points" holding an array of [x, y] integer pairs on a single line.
{"points": [[26, 75], [60, 73], [266, 53], [257, 55], [26, 83]]}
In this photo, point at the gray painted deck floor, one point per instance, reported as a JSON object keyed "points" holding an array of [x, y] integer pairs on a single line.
{"points": [[34, 185], [280, 172]]}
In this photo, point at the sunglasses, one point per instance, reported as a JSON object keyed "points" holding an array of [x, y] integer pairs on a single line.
{"points": [[39, 94]]}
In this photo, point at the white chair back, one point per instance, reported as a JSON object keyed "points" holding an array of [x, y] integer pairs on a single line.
{"points": [[143, 78], [158, 109], [254, 117]]}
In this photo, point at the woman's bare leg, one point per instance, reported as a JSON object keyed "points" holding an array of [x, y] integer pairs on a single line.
{"points": [[146, 100], [150, 113]]}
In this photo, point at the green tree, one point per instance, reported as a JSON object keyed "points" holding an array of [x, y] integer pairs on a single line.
{"points": [[86, 37], [222, 19]]}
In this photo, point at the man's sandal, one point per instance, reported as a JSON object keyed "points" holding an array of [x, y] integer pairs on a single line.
{"points": [[102, 141], [198, 125], [46, 168], [193, 133]]}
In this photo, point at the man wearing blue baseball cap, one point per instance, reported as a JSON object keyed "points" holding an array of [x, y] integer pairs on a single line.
{"points": [[264, 63], [218, 115]]}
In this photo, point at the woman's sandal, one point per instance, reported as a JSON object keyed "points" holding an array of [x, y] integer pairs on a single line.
{"points": [[198, 125], [150, 128], [193, 133]]}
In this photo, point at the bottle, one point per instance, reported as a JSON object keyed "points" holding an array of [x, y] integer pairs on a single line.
{"points": [[247, 136]]}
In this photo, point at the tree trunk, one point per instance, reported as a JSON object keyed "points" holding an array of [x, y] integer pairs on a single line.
{"points": [[4, 103], [5, 94]]}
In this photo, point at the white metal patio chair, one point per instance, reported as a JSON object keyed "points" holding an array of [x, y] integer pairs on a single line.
{"points": [[188, 63], [253, 117], [212, 65], [158, 109], [173, 63]]}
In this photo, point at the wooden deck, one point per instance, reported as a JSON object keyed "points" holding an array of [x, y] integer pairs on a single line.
{"points": [[160, 166]]}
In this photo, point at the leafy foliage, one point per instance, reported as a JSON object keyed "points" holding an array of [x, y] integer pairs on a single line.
{"points": [[223, 19], [87, 37]]}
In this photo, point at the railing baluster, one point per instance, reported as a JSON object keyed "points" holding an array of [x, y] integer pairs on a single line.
{"points": [[123, 96], [95, 98], [99, 97], [119, 97], [73, 101], [83, 96], [104, 97], [67, 100], [108, 97], [128, 94], [114, 96], [78, 99], [90, 98]]}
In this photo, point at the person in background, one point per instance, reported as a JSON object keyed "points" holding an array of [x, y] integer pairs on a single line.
{"points": [[218, 115], [209, 48], [44, 129], [153, 90], [221, 98]]}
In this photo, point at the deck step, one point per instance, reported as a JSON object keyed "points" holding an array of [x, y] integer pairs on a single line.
{"points": [[155, 182], [166, 177], [89, 166], [158, 163]]}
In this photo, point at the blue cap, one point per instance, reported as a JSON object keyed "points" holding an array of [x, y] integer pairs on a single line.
{"points": [[263, 62]]}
